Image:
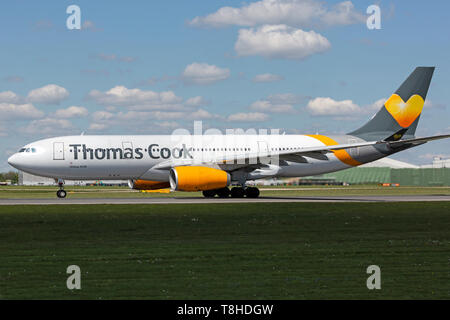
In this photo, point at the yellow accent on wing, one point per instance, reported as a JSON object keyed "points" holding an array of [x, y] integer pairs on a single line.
{"points": [[342, 155], [404, 112]]}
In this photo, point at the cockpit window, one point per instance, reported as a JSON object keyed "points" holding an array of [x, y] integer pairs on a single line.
{"points": [[28, 150]]}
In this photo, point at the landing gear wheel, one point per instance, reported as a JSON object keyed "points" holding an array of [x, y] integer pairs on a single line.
{"points": [[61, 194], [223, 192], [252, 192], [209, 193], [237, 192]]}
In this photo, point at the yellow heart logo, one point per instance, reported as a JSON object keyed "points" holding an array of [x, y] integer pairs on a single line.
{"points": [[404, 113]]}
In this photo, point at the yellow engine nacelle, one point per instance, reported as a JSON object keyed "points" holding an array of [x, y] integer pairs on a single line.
{"points": [[148, 185], [198, 178]]}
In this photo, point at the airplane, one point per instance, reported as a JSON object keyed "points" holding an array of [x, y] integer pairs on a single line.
{"points": [[214, 163]]}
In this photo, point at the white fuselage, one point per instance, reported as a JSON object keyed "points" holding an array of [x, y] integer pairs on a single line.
{"points": [[135, 157]]}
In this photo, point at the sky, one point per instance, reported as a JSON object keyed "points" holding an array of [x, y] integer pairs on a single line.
{"points": [[150, 67]]}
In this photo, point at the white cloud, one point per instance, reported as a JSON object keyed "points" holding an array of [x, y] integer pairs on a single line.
{"points": [[248, 117], [268, 106], [137, 120], [48, 126], [267, 77], [167, 124], [280, 41], [435, 105], [373, 108], [97, 126], [329, 107], [19, 111], [201, 114], [196, 101], [102, 115], [277, 103], [71, 112], [137, 99], [298, 13], [203, 74], [151, 115], [10, 97], [343, 13], [322, 106], [49, 94]]}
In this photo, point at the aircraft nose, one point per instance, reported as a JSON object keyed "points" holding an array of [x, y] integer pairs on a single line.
{"points": [[13, 161]]}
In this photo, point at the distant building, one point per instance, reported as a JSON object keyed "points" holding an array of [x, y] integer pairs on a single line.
{"points": [[438, 162], [26, 179], [392, 171], [389, 163]]}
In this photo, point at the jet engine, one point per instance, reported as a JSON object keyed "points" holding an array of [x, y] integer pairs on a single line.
{"points": [[148, 185], [196, 178]]}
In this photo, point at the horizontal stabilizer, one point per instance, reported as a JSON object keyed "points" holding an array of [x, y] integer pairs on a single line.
{"points": [[418, 140]]}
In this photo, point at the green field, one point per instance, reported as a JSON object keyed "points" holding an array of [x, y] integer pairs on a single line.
{"points": [[14, 192], [226, 251]]}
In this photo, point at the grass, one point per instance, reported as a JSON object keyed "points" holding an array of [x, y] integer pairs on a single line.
{"points": [[15, 192], [226, 251]]}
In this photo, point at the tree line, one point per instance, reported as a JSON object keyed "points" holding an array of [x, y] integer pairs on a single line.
{"points": [[11, 175]]}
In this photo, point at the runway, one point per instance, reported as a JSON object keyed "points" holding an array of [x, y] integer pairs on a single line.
{"points": [[198, 200]]}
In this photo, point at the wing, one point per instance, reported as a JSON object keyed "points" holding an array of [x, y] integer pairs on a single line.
{"points": [[243, 160], [253, 160]]}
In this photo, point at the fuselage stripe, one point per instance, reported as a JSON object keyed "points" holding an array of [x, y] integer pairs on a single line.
{"points": [[342, 155]]}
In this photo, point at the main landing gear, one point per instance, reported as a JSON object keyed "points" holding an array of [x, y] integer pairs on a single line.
{"points": [[61, 193], [235, 192]]}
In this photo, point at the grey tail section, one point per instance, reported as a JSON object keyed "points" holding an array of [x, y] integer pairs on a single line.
{"points": [[383, 124]]}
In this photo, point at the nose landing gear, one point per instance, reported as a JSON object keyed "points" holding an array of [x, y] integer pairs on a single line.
{"points": [[61, 193]]}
